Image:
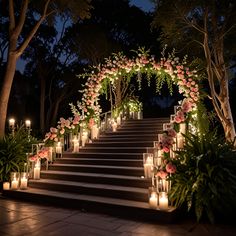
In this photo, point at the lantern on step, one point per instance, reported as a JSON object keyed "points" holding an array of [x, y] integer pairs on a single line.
{"points": [[163, 201], [148, 165], [152, 197], [58, 150]]}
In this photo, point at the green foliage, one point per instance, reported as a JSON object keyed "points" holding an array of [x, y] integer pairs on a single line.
{"points": [[205, 180], [13, 151]]}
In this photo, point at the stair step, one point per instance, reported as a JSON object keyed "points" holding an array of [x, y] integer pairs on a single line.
{"points": [[117, 170], [123, 180], [112, 206], [101, 161], [113, 149], [122, 192], [128, 138], [107, 155], [112, 143]]}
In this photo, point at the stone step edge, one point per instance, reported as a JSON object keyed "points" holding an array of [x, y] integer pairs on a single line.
{"points": [[97, 159], [108, 187], [97, 166], [105, 200], [110, 176]]}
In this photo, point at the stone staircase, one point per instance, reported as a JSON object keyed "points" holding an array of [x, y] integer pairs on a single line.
{"points": [[106, 175]]}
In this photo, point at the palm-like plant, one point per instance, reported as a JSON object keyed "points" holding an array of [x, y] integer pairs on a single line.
{"points": [[205, 180], [13, 151]]}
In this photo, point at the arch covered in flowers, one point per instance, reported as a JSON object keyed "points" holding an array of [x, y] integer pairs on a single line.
{"points": [[169, 69]]}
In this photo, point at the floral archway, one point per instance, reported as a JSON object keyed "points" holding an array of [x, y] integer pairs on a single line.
{"points": [[169, 69]]}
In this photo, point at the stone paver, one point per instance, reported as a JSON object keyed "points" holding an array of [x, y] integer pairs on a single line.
{"points": [[22, 219]]}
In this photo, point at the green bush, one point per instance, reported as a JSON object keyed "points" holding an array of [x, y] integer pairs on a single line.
{"points": [[13, 151], [205, 181]]}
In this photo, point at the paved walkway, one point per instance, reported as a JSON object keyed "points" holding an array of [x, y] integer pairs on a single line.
{"points": [[22, 218]]}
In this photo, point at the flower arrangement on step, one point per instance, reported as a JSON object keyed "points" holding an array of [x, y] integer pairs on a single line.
{"points": [[170, 141], [65, 126]]}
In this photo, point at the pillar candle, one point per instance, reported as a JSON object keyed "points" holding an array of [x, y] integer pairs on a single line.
{"points": [[59, 148], [153, 200], [37, 171], [23, 183], [163, 201], [6, 185], [148, 167], [182, 128], [76, 145], [180, 141], [84, 138], [14, 183], [114, 126]]}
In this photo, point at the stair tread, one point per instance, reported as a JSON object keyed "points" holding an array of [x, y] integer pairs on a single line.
{"points": [[128, 177], [103, 153], [97, 166], [99, 159], [112, 148], [98, 141], [104, 200], [91, 185]]}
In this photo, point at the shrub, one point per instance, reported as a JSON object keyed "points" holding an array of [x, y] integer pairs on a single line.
{"points": [[13, 151], [205, 181]]}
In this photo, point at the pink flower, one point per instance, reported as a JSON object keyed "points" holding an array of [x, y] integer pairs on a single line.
{"points": [[33, 158], [186, 105], [179, 116], [170, 168], [62, 131], [166, 149], [53, 130], [76, 120], [172, 133], [162, 174]]}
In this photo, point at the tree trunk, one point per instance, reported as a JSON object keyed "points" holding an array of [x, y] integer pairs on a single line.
{"points": [[6, 90], [228, 123], [216, 71]]}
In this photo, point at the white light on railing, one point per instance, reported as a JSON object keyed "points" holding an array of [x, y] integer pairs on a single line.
{"points": [[12, 123], [28, 124]]}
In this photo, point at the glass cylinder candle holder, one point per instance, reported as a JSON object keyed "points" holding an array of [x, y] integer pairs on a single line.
{"points": [[37, 168], [163, 201], [160, 137], [140, 115], [114, 126], [6, 185], [148, 164], [75, 144], [15, 177], [23, 180], [118, 120], [162, 184], [94, 132], [50, 154], [158, 157], [182, 128], [179, 141], [84, 138], [58, 150], [153, 198]]}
